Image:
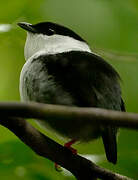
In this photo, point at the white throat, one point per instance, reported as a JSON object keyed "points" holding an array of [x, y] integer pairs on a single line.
{"points": [[52, 44]]}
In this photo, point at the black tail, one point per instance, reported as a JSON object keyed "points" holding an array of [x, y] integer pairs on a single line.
{"points": [[110, 144]]}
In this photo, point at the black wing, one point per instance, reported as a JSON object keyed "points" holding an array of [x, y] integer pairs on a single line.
{"points": [[86, 77], [92, 82]]}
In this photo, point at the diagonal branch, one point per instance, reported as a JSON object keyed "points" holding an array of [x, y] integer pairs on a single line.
{"points": [[46, 147]]}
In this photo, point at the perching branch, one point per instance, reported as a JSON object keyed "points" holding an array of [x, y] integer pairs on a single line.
{"points": [[46, 147], [65, 113]]}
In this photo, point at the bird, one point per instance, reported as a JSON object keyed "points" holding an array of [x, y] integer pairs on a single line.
{"points": [[62, 69]]}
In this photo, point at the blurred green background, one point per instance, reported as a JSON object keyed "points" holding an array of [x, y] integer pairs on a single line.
{"points": [[111, 28]]}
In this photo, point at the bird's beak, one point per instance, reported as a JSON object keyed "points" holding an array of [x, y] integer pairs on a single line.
{"points": [[27, 26]]}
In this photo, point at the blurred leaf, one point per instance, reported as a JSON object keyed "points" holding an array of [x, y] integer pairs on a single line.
{"points": [[18, 161]]}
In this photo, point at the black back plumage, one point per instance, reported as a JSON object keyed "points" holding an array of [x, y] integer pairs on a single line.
{"points": [[87, 77], [92, 82]]}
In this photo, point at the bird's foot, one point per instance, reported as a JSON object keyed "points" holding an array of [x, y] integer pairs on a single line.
{"points": [[69, 144], [74, 151]]}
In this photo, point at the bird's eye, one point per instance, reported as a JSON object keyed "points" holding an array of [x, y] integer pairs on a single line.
{"points": [[50, 32]]}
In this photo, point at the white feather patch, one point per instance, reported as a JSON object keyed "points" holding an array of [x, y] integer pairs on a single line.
{"points": [[52, 44]]}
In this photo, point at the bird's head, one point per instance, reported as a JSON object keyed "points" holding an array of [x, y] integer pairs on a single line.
{"points": [[51, 38]]}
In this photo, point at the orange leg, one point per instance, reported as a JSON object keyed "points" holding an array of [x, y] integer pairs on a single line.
{"points": [[67, 145]]}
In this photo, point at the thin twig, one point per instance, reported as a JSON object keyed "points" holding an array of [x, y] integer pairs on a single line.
{"points": [[116, 55]]}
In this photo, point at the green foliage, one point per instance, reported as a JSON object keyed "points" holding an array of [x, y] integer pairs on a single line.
{"points": [[110, 26]]}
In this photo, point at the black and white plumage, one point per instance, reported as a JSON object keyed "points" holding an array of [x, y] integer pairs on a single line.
{"points": [[61, 69]]}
